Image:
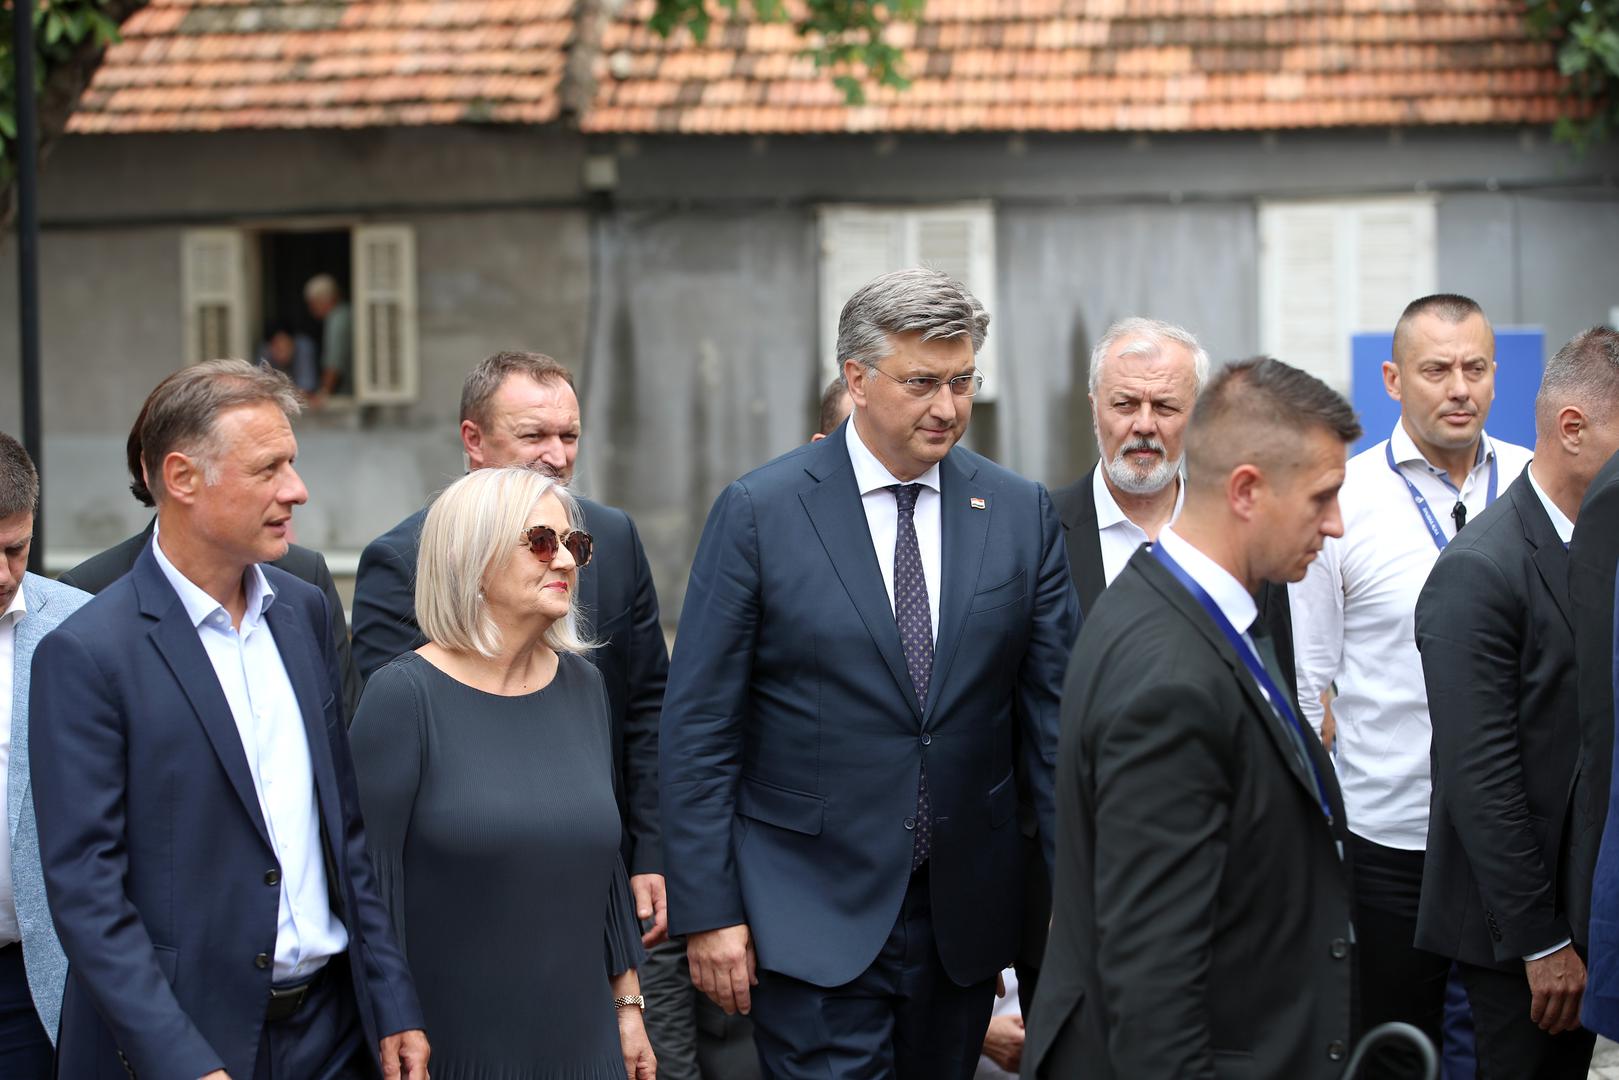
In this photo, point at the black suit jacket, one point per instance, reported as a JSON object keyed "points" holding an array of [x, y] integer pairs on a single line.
{"points": [[1076, 507], [1592, 558], [1498, 658], [1202, 907], [620, 608], [99, 571]]}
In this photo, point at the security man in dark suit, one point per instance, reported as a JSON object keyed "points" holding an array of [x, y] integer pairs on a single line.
{"points": [[1202, 923], [101, 570], [199, 822], [876, 625], [1498, 658]]}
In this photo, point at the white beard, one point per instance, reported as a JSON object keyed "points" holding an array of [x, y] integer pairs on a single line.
{"points": [[1126, 477]]}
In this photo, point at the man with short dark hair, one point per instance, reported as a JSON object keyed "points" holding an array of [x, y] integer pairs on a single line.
{"points": [[1200, 882], [875, 626], [835, 408], [1493, 628], [32, 968], [1403, 500], [199, 822], [101, 570]]}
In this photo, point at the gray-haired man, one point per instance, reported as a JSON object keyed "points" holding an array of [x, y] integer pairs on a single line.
{"points": [[876, 626]]}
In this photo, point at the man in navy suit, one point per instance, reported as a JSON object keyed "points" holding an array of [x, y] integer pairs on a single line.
{"points": [[877, 624], [199, 825]]}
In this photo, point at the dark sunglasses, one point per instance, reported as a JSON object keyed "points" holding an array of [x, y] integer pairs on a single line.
{"points": [[543, 541]]}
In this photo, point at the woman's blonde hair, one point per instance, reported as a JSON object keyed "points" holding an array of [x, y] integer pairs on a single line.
{"points": [[473, 529]]}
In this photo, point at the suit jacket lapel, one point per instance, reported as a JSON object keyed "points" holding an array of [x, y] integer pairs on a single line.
{"points": [[1551, 557], [963, 528], [27, 636], [176, 640], [1085, 545], [1184, 602], [835, 510]]}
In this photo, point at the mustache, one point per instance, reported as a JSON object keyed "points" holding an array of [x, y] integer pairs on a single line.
{"points": [[1142, 443]]}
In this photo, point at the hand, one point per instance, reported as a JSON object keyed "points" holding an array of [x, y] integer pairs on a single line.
{"points": [[217, 1074], [1556, 983], [404, 1056], [1003, 1042], [1329, 726], [639, 1062], [722, 966], [651, 902]]}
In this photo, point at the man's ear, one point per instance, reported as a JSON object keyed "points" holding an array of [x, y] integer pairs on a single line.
{"points": [[1571, 428], [183, 477], [472, 443], [855, 378], [1242, 490], [1391, 379]]}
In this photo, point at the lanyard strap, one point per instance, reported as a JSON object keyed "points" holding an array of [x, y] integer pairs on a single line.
{"points": [[1256, 668], [1423, 508]]}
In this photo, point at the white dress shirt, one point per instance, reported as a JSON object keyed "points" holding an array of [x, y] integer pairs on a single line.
{"points": [[271, 725], [882, 518], [9, 932], [1560, 521], [1228, 594], [1354, 624], [1119, 536]]}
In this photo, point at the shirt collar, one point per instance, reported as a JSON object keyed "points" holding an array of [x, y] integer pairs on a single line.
{"points": [[200, 606], [18, 606], [871, 474], [1560, 521], [1108, 512], [1406, 452], [1227, 592]]}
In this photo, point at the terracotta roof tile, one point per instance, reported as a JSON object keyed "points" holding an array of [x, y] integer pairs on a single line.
{"points": [[975, 65]]}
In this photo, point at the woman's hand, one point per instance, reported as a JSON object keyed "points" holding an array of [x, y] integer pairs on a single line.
{"points": [[639, 1064]]}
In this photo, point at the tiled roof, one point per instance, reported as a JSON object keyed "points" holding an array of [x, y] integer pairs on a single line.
{"points": [[189, 65], [1100, 65], [975, 65]]}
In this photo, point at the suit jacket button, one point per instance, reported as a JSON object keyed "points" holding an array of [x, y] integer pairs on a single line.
{"points": [[272, 877], [927, 740], [1335, 1050], [261, 961], [1340, 948], [910, 823]]}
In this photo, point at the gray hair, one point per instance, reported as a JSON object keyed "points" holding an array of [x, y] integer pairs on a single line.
{"points": [[182, 414], [918, 300], [472, 531], [1146, 337], [321, 287], [1584, 373], [19, 480]]}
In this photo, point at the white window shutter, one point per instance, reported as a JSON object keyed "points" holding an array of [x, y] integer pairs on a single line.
{"points": [[960, 240], [860, 243], [857, 244], [386, 370], [1396, 259], [213, 292], [1301, 306]]}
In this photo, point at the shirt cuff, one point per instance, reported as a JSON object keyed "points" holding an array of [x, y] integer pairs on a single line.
{"points": [[1542, 954]]}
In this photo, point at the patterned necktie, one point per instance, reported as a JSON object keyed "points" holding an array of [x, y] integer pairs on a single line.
{"points": [[915, 618]]}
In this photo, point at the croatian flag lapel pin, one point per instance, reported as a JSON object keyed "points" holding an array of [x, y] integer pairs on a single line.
{"points": [[978, 504]]}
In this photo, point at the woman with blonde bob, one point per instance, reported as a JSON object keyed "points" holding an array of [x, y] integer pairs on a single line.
{"points": [[486, 784]]}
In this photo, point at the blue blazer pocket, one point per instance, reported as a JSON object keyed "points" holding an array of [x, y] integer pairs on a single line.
{"points": [[1007, 592], [796, 811], [1002, 800], [167, 961]]}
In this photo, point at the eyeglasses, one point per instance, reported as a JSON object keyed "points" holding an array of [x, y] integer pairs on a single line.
{"points": [[925, 386], [544, 542]]}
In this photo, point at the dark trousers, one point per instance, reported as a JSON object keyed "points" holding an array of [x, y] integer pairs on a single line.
{"points": [[1398, 981], [901, 1019], [323, 1040], [25, 1049], [691, 1036], [1510, 1045]]}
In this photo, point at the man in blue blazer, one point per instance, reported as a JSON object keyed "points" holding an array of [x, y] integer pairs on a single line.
{"points": [[199, 824], [32, 968], [877, 624]]}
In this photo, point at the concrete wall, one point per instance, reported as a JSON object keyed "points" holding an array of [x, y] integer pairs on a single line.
{"points": [[695, 333]]}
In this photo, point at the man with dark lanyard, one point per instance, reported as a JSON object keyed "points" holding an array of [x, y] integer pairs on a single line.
{"points": [[1353, 627]]}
